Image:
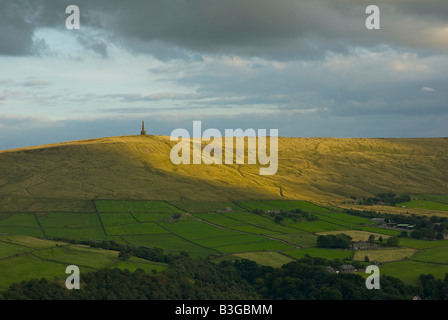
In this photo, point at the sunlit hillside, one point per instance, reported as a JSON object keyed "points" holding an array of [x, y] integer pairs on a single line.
{"points": [[139, 167]]}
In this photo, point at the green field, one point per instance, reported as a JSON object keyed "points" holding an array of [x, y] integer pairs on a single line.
{"points": [[191, 229], [252, 205], [150, 217], [272, 259], [259, 221], [133, 229], [317, 226], [422, 244], [300, 239], [424, 204], [409, 271], [442, 198], [69, 220], [33, 232], [268, 245], [18, 220], [211, 230], [339, 217], [291, 205], [135, 206], [114, 219], [72, 225], [437, 255], [320, 252], [205, 206], [169, 243], [216, 242], [220, 219], [25, 258]]}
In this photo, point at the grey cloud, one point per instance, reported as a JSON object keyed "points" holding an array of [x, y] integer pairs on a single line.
{"points": [[384, 84], [281, 29], [94, 43]]}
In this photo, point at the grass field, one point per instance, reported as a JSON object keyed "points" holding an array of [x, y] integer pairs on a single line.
{"points": [[320, 252], [169, 242], [25, 258], [18, 220], [209, 231], [135, 206], [437, 255], [442, 198], [356, 234], [291, 205], [409, 271], [133, 229], [33, 232], [268, 245], [205, 206], [220, 219], [259, 221], [72, 225], [216, 242], [191, 229], [424, 204], [317, 226], [301, 239], [272, 259], [422, 244], [385, 254]]}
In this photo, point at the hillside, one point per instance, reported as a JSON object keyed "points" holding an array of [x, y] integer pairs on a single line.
{"points": [[139, 167]]}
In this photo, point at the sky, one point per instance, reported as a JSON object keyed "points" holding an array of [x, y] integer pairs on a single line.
{"points": [[309, 68]]}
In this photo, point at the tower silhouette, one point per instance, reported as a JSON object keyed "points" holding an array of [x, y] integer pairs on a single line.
{"points": [[143, 133]]}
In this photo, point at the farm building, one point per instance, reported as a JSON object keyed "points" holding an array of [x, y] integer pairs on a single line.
{"points": [[377, 220], [347, 268], [363, 245]]}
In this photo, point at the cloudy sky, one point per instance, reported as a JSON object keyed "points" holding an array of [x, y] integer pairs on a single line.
{"points": [[309, 68]]}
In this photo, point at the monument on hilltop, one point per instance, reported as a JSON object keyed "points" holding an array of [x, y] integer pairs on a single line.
{"points": [[143, 133]]}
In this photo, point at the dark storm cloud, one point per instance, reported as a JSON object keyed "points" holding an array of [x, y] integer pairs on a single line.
{"points": [[280, 29]]}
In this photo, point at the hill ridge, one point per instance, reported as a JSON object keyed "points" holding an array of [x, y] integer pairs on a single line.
{"points": [[139, 167]]}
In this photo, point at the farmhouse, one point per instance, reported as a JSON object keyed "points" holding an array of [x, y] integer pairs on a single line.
{"points": [[347, 268], [363, 245], [378, 220], [331, 269]]}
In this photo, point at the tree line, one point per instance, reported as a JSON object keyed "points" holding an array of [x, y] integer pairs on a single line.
{"points": [[425, 228], [201, 279]]}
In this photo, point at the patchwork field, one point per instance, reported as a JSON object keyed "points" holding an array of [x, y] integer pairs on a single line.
{"points": [[25, 258], [36, 243]]}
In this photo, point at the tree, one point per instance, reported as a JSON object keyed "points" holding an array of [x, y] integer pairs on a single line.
{"points": [[123, 255], [371, 238], [393, 241], [380, 239], [334, 241], [278, 219]]}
